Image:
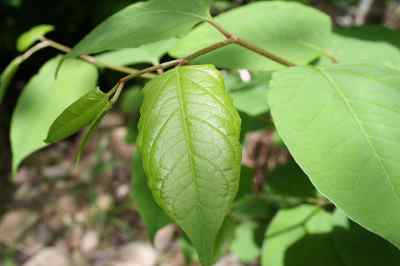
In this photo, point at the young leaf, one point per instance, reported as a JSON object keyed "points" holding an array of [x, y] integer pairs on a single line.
{"points": [[78, 115], [92, 127], [144, 23], [189, 138], [43, 100], [152, 215], [341, 124], [150, 53], [293, 31], [33, 35], [300, 237], [348, 50], [7, 75]]}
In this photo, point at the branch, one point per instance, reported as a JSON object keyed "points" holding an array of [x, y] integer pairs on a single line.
{"points": [[93, 60], [249, 46]]}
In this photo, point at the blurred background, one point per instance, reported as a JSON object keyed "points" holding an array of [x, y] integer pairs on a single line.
{"points": [[52, 215]]}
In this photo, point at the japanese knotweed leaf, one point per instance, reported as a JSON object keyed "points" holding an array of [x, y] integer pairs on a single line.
{"points": [[342, 125], [143, 23], [44, 98], [78, 115], [7, 76], [189, 139]]}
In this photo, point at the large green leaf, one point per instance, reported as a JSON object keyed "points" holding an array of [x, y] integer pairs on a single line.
{"points": [[7, 75], [43, 100], [348, 50], [290, 30], [78, 115], [341, 124], [300, 237], [33, 35], [189, 138], [150, 53], [152, 215], [143, 23]]}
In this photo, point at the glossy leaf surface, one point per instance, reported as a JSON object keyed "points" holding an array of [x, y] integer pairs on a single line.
{"points": [[189, 138], [78, 115], [341, 124], [144, 23], [43, 100], [293, 31]]}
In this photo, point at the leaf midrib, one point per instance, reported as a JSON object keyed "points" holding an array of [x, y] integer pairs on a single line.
{"points": [[186, 132], [359, 124]]}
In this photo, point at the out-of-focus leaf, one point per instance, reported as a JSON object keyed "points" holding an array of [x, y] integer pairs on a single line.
{"points": [[152, 215], [348, 50], [131, 100], [300, 237], [244, 245], [293, 31], [144, 23], [7, 75], [43, 100], [27, 39], [78, 115], [150, 53], [189, 138], [253, 207]]}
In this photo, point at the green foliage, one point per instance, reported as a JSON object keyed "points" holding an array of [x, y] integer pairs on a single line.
{"points": [[33, 35], [193, 178], [78, 115], [43, 100], [154, 21], [150, 53], [150, 212], [293, 31], [341, 125], [244, 245]]}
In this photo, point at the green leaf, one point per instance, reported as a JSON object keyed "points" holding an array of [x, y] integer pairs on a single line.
{"points": [[252, 97], [7, 75], [144, 23], [293, 31], [43, 100], [357, 246], [78, 115], [92, 127], [154, 218], [300, 237], [244, 245], [189, 138], [150, 53], [131, 100], [27, 39], [348, 50], [341, 124]]}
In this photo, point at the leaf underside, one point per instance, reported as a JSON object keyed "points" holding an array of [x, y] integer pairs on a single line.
{"points": [[189, 139]]}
